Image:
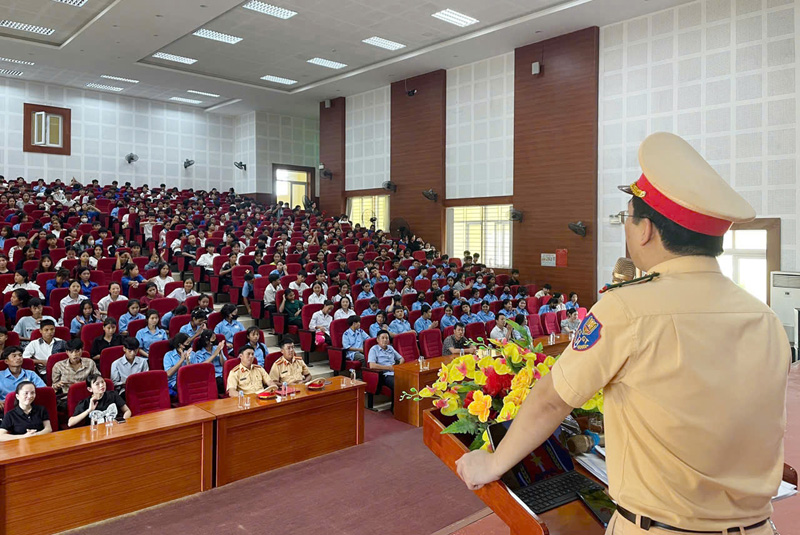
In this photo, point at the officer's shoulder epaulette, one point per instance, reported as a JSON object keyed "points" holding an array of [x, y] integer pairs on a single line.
{"points": [[640, 280]]}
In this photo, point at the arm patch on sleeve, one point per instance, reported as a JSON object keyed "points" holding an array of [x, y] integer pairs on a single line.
{"points": [[588, 333]]}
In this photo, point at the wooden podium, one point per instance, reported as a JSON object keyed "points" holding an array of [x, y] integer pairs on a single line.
{"points": [[572, 518]]}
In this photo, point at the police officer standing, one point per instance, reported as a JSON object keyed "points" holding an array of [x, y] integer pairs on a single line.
{"points": [[694, 369]]}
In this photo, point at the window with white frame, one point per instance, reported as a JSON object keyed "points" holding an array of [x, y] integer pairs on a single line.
{"points": [[362, 209], [48, 129], [485, 230], [744, 260]]}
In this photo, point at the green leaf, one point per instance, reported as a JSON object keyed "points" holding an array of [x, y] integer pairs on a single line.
{"points": [[467, 426], [477, 443]]}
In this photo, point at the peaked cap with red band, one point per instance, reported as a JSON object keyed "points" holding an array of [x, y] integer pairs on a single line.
{"points": [[679, 184]]}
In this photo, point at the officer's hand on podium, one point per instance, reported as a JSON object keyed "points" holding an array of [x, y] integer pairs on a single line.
{"points": [[476, 469]]}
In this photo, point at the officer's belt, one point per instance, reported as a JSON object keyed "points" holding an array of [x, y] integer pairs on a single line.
{"points": [[647, 523]]}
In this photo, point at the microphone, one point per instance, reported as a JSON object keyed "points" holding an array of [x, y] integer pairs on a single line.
{"points": [[624, 271]]}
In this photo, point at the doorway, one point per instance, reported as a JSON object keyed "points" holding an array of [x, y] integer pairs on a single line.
{"points": [[291, 183]]}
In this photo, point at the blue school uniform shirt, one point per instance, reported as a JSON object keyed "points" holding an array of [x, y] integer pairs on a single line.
{"points": [[126, 318], [504, 296], [399, 326], [437, 304], [202, 355], [356, 338], [189, 330], [520, 296], [146, 338], [369, 312], [466, 319], [228, 329], [478, 286], [485, 316], [75, 325], [373, 330], [445, 288], [382, 278], [165, 320], [490, 298], [474, 300], [8, 383], [366, 295], [50, 286], [448, 321], [126, 283], [521, 311], [417, 305], [86, 289], [170, 360], [421, 324]]}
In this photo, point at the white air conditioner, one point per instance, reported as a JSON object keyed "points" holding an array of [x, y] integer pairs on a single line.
{"points": [[785, 298]]}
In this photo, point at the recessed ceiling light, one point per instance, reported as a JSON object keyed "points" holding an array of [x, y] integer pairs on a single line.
{"points": [[8, 72], [17, 61], [74, 3], [173, 57], [454, 17], [105, 87], [279, 80], [269, 9], [214, 95], [327, 63], [217, 36], [383, 43], [117, 78], [22, 27], [186, 100]]}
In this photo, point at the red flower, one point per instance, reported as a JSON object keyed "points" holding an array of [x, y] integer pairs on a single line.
{"points": [[540, 357], [497, 384], [468, 399]]}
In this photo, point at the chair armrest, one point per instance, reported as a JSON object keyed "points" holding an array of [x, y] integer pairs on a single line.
{"points": [[213, 280], [373, 380], [306, 339], [279, 323], [336, 358]]}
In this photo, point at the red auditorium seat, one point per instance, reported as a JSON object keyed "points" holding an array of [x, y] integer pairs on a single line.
{"points": [[196, 383], [147, 392], [430, 343], [78, 392]]}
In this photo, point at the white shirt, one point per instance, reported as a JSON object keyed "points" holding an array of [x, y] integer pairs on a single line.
{"points": [[321, 320], [104, 302], [299, 289], [498, 333], [315, 299], [121, 369], [206, 260], [341, 314], [162, 283], [66, 301], [39, 349], [30, 286], [269, 294], [181, 295]]}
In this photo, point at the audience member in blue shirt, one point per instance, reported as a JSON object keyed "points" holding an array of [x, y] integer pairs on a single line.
{"points": [[229, 324], [353, 340], [131, 315], [382, 356], [417, 305], [456, 299], [400, 324], [467, 316], [150, 334], [210, 351], [476, 298], [366, 291], [392, 290], [424, 322], [439, 300], [373, 308], [402, 274], [86, 315], [478, 284], [550, 306], [423, 274], [196, 324], [377, 277], [448, 320], [490, 297], [259, 348], [439, 273], [573, 301], [508, 308], [61, 281], [522, 307], [131, 278], [380, 324], [485, 314], [14, 374], [506, 293], [84, 276], [174, 359], [522, 293]]}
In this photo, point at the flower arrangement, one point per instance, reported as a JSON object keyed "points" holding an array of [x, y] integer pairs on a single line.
{"points": [[490, 386]]}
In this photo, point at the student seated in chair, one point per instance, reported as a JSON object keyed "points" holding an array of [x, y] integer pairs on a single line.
{"points": [[73, 370], [128, 364], [14, 375], [289, 368], [247, 376], [25, 419], [457, 343], [100, 400], [383, 357], [211, 351]]}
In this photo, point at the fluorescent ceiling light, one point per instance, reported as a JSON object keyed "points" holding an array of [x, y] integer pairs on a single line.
{"points": [[214, 95], [8, 72], [279, 80], [17, 61], [327, 63], [173, 57], [186, 100], [269, 9], [74, 3], [105, 87], [117, 78], [383, 43], [22, 27], [454, 17], [217, 36]]}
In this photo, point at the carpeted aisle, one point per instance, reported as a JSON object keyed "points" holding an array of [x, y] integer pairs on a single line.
{"points": [[392, 484]]}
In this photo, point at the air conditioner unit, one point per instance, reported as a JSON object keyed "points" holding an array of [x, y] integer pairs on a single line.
{"points": [[784, 296]]}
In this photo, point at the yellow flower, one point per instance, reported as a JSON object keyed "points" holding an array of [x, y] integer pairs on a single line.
{"points": [[590, 405], [448, 403], [485, 362], [485, 437], [511, 351], [439, 386], [480, 378], [444, 374], [462, 367], [501, 367], [508, 412], [543, 369], [516, 396], [549, 362], [523, 379], [480, 406], [427, 392], [600, 405]]}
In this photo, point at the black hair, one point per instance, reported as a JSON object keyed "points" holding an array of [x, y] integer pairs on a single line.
{"points": [[109, 321], [35, 302], [286, 340], [227, 310], [90, 380], [11, 349], [45, 322], [130, 343], [458, 324], [677, 239], [205, 338], [353, 319], [75, 344], [178, 340], [22, 384]]}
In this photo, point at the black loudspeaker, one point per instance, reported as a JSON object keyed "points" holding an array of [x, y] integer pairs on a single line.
{"points": [[515, 215]]}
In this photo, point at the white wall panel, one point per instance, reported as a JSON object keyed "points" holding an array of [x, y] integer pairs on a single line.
{"points": [[368, 139]]}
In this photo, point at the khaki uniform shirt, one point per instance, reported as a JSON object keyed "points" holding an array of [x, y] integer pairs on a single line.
{"points": [[250, 381], [695, 372], [292, 373]]}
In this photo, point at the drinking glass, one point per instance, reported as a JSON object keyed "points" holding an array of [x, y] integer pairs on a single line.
{"points": [[246, 402]]}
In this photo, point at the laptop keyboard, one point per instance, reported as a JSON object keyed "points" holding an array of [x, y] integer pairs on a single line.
{"points": [[554, 492]]}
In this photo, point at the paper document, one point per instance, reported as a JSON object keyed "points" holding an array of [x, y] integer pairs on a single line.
{"points": [[784, 491]]}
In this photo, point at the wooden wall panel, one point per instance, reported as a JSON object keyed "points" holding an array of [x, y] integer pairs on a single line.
{"points": [[418, 153], [331, 154], [555, 159]]}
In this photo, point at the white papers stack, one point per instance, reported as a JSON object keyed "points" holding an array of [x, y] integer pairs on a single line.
{"points": [[595, 465], [784, 491]]}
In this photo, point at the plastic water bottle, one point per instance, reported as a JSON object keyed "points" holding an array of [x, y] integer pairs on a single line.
{"points": [[421, 363], [285, 388], [241, 399], [94, 424], [352, 377], [552, 338]]}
